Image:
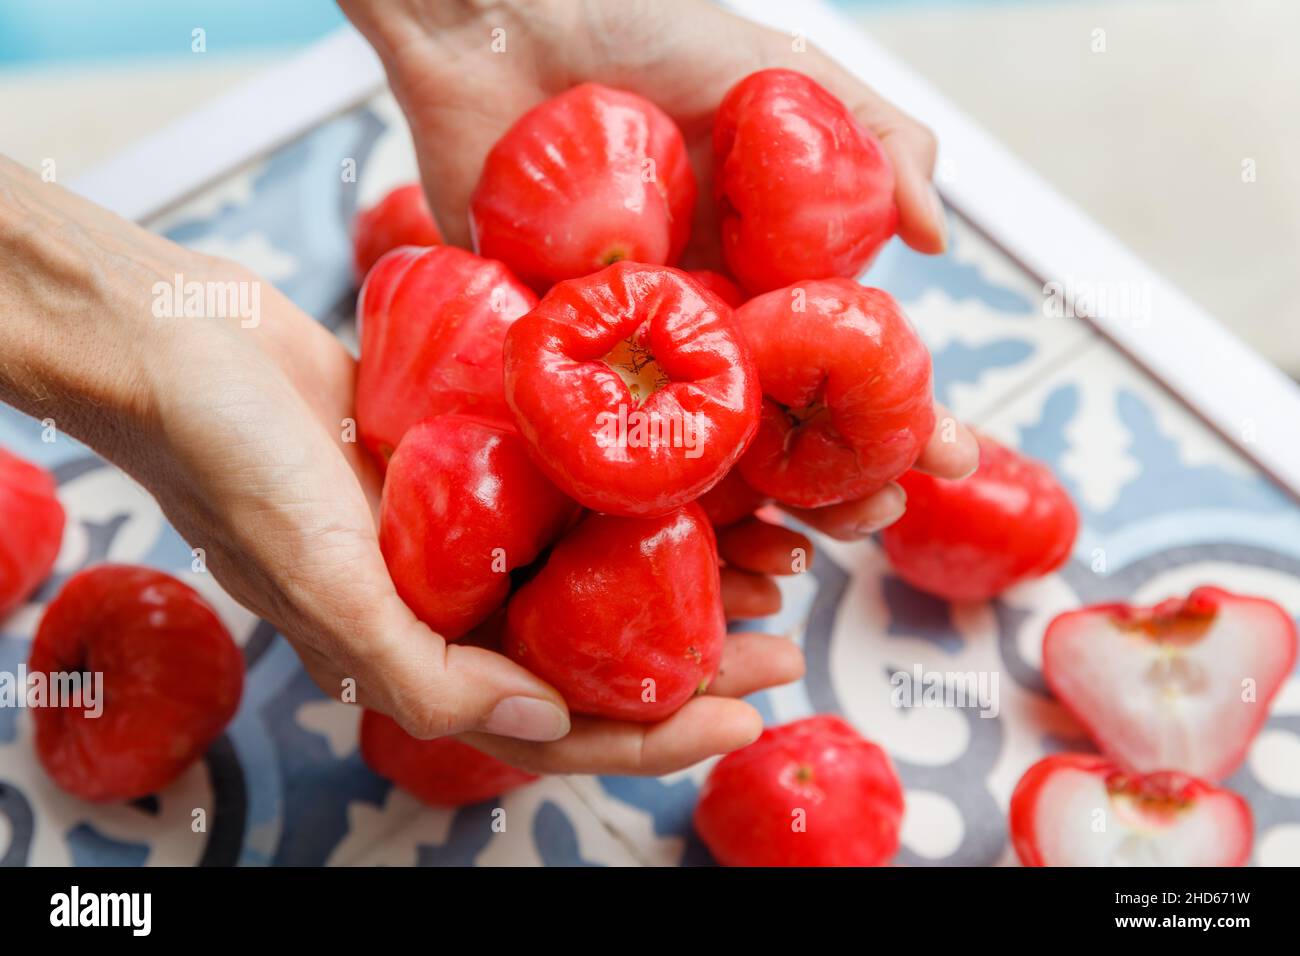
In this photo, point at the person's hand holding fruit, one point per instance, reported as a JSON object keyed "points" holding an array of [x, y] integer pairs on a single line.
{"points": [[238, 432]]}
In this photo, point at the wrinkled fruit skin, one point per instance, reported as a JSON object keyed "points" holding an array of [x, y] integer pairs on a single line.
{"points": [[31, 528], [804, 191], [847, 401], [619, 602], [432, 326], [172, 681], [1162, 819], [463, 506], [1161, 688], [442, 772], [973, 538], [567, 190], [818, 771], [401, 218], [645, 449]]}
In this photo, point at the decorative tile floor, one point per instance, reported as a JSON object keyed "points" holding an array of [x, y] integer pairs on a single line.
{"points": [[1166, 505]]}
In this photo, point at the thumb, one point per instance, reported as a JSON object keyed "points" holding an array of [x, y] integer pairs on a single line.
{"points": [[435, 689]]}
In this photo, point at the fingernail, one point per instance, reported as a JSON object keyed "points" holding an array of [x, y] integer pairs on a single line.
{"points": [[888, 512], [940, 216], [527, 718]]}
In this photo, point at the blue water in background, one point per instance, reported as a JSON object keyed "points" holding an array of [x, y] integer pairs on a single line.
{"points": [[39, 32], [62, 32]]}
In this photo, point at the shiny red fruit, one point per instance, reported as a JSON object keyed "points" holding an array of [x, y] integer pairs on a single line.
{"points": [[804, 191], [432, 325], [31, 528], [730, 500], [172, 678], [401, 218], [809, 793], [588, 178], [1185, 685], [463, 506], [625, 619], [719, 285], [442, 772], [1161, 819], [973, 538], [632, 387], [847, 402]]}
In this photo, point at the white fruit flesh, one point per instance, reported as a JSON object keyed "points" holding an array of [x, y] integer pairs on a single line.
{"points": [[1078, 822], [1157, 705]]}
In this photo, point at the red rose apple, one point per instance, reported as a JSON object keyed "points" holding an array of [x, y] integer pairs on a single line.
{"points": [[625, 619], [1082, 810], [172, 677], [847, 403], [973, 538], [632, 387], [588, 178], [432, 325], [463, 506], [31, 528], [401, 218], [719, 285], [804, 191], [808, 793], [1185, 685], [730, 500], [442, 772]]}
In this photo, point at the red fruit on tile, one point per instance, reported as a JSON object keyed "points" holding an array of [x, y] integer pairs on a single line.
{"points": [[813, 792], [442, 772], [172, 678], [1083, 810], [1184, 685]]}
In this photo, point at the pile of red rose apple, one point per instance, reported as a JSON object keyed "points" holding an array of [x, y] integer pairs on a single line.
{"points": [[555, 467]]}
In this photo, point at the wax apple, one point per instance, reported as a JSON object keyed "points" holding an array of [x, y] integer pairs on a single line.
{"points": [[432, 325], [973, 538], [804, 191], [847, 402], [172, 678], [632, 387], [1162, 819], [463, 506], [809, 793], [588, 178], [401, 218], [625, 619], [730, 500], [442, 772], [1184, 685], [719, 285], [31, 528]]}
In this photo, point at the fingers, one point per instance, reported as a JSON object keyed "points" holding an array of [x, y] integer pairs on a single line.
{"points": [[753, 662], [952, 452], [757, 545], [705, 727], [851, 520], [746, 595]]}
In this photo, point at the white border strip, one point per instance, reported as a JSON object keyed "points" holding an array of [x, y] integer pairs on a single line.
{"points": [[252, 120], [1240, 394], [1246, 399]]}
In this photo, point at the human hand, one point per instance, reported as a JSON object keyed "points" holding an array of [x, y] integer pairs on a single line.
{"points": [[237, 427]]}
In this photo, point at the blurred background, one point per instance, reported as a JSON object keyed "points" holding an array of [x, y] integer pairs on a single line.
{"points": [[1144, 112]]}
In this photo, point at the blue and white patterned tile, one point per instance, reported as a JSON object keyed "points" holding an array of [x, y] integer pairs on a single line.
{"points": [[981, 316], [1164, 502]]}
